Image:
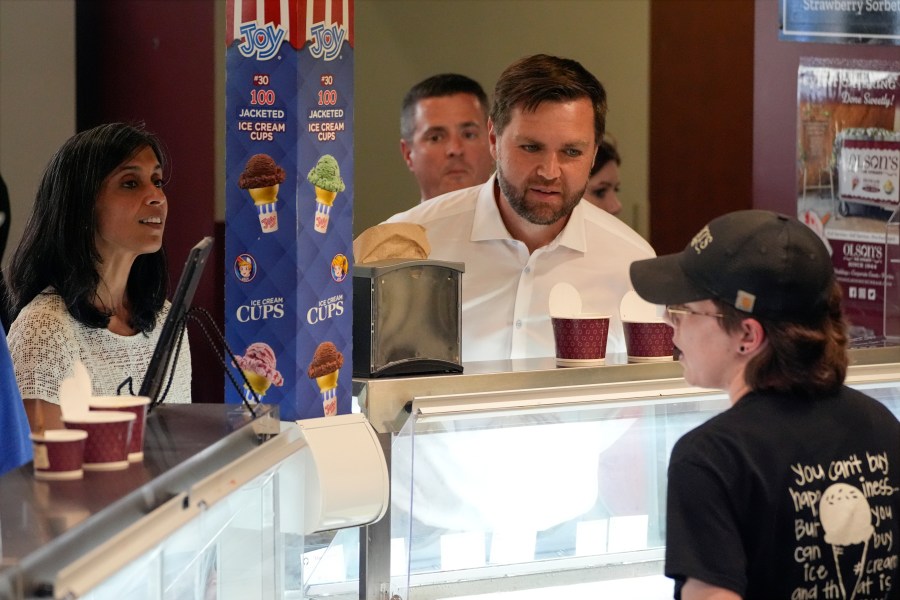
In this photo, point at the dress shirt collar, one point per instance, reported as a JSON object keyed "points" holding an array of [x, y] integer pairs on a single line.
{"points": [[489, 226], [487, 222]]}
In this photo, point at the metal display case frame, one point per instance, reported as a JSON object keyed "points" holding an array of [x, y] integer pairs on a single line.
{"points": [[62, 539], [505, 387]]}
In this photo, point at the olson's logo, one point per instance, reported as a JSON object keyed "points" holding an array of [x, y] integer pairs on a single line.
{"points": [[327, 42], [264, 41]]}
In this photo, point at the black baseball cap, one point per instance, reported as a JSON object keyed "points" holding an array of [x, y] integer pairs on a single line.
{"points": [[758, 261]]}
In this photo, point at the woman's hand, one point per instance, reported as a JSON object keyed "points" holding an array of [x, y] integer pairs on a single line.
{"points": [[43, 415], [694, 589]]}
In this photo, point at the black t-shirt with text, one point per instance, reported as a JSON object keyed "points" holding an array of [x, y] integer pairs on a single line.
{"points": [[789, 498]]}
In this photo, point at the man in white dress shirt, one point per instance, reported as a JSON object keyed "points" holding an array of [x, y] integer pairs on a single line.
{"points": [[527, 229]]}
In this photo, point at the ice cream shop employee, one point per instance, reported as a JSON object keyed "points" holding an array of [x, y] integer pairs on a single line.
{"points": [[794, 491], [527, 229], [88, 280]]}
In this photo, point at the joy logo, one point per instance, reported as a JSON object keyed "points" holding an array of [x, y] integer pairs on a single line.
{"points": [[264, 42], [327, 43]]}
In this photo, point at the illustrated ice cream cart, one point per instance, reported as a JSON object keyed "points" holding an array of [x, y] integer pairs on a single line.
{"points": [[868, 165]]}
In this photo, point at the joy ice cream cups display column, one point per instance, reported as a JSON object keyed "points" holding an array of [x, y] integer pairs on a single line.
{"points": [[580, 340], [324, 368], [261, 178], [258, 365], [326, 178], [136, 405], [58, 454], [108, 437]]}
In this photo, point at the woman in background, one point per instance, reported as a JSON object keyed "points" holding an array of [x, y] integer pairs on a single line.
{"points": [[603, 186], [88, 280]]}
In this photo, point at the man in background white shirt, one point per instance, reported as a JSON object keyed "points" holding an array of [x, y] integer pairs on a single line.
{"points": [[443, 134]]}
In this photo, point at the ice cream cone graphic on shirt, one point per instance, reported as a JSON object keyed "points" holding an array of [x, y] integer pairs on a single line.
{"points": [[261, 178], [258, 366], [326, 178], [324, 368], [847, 521]]}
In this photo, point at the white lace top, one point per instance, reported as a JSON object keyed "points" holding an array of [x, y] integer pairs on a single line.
{"points": [[45, 341]]}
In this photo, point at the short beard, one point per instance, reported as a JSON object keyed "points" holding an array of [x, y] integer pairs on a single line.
{"points": [[517, 201]]}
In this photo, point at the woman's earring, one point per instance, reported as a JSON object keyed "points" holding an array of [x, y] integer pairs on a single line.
{"points": [[742, 349]]}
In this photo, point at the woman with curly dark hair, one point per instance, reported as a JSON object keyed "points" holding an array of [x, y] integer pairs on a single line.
{"points": [[88, 279]]}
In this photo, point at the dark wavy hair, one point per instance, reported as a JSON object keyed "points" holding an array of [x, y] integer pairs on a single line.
{"points": [[606, 151], [437, 86], [807, 358], [533, 80], [57, 248]]}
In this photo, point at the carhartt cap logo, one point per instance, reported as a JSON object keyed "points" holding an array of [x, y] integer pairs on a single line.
{"points": [[702, 239], [744, 301]]}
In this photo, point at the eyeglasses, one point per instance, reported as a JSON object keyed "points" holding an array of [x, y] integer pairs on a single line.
{"points": [[677, 312]]}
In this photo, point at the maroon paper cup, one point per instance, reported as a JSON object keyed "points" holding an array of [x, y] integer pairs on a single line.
{"points": [[581, 340], [648, 341], [109, 433], [132, 404], [58, 454]]}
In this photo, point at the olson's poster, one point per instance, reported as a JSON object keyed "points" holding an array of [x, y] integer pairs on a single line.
{"points": [[848, 184]]}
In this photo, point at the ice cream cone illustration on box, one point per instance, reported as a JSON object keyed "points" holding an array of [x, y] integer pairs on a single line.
{"points": [[326, 177], [326, 363], [261, 177], [258, 365]]}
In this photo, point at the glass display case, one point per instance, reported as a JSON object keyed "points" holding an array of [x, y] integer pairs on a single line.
{"points": [[512, 481], [225, 505], [522, 481]]}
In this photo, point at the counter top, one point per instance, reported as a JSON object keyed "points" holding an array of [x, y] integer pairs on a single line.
{"points": [[385, 401], [45, 525]]}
